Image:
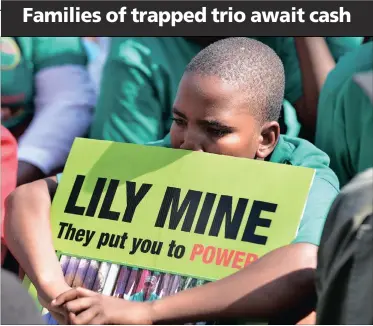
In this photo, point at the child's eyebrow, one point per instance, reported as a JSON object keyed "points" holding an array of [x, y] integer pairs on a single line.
{"points": [[215, 124], [176, 111], [206, 123]]}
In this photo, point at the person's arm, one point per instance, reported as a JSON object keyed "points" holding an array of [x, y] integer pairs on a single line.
{"points": [[316, 61], [64, 100], [129, 107], [273, 284], [278, 282], [64, 106], [29, 237]]}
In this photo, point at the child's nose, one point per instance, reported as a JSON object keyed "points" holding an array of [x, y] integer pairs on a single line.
{"points": [[192, 141]]}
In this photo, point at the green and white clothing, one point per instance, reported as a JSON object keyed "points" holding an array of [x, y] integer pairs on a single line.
{"points": [[139, 83], [345, 114], [45, 80], [286, 50], [142, 74], [325, 187]]}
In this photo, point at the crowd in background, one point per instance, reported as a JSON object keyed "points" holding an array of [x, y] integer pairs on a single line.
{"points": [[122, 89]]}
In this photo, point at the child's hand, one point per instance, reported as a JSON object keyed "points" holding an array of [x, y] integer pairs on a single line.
{"points": [[85, 307], [45, 298]]}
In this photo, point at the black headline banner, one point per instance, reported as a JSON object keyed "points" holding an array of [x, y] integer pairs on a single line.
{"points": [[186, 18]]}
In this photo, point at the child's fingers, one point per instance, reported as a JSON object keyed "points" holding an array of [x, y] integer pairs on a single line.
{"points": [[65, 297], [71, 315], [79, 305], [85, 292], [60, 318], [98, 320], [85, 317]]}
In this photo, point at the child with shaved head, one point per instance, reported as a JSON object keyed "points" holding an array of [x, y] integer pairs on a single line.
{"points": [[228, 103]]}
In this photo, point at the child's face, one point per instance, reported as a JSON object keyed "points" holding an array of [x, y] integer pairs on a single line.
{"points": [[214, 117]]}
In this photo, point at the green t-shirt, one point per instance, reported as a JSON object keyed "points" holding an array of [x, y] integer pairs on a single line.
{"points": [[345, 115], [142, 74], [285, 49], [22, 58], [325, 187], [139, 83]]}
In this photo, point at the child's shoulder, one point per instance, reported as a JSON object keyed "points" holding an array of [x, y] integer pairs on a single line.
{"points": [[300, 152]]}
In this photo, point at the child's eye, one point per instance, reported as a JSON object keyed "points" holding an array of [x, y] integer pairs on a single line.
{"points": [[179, 122], [214, 132]]}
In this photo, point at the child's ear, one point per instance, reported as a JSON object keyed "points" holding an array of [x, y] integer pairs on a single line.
{"points": [[270, 133]]}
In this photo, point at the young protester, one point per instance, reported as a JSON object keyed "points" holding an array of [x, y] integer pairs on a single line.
{"points": [[228, 103], [343, 96], [141, 76], [8, 177], [46, 100]]}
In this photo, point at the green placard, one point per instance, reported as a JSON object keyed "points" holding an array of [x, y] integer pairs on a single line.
{"points": [[176, 211]]}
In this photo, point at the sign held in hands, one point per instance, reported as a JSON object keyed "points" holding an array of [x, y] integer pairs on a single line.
{"points": [[176, 211]]}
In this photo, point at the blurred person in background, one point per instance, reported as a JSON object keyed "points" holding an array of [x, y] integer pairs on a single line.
{"points": [[8, 177], [141, 76], [345, 261], [17, 307], [345, 104], [139, 83], [47, 100], [297, 93], [317, 56]]}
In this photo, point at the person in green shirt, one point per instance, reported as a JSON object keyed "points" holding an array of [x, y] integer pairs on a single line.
{"points": [[345, 110], [46, 100], [141, 77], [345, 128], [139, 82], [345, 114], [148, 292], [228, 103]]}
